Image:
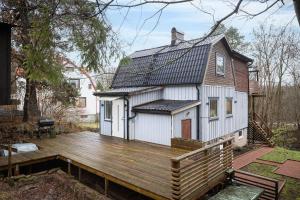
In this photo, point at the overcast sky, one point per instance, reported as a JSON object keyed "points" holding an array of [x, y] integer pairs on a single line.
{"points": [[138, 33]]}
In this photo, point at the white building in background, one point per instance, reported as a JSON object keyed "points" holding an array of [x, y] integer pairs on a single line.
{"points": [[87, 106]]}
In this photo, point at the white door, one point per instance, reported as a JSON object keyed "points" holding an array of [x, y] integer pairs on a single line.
{"points": [[118, 118]]}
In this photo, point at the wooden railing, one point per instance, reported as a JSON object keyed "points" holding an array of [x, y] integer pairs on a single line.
{"points": [[196, 172], [270, 186], [262, 124]]}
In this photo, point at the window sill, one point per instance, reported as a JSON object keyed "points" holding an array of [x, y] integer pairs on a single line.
{"points": [[107, 120], [213, 119], [229, 116]]}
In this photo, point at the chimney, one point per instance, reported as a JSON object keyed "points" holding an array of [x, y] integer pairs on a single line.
{"points": [[176, 36], [5, 70]]}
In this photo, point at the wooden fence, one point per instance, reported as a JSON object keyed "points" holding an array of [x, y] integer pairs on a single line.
{"points": [[270, 186], [196, 172]]}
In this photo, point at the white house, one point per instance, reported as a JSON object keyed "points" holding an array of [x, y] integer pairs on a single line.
{"points": [[87, 106], [175, 91]]}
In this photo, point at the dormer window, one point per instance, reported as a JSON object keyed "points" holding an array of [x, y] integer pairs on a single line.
{"points": [[220, 64]]}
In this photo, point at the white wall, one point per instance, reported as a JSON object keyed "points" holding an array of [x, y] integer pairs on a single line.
{"points": [[187, 114], [141, 99], [153, 128], [180, 93], [92, 103], [211, 129]]}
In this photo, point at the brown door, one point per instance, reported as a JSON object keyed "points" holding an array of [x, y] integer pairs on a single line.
{"points": [[186, 128]]}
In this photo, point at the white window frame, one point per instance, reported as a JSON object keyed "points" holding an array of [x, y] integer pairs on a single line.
{"points": [[76, 81], [220, 56], [230, 114], [107, 118], [209, 108], [79, 105]]}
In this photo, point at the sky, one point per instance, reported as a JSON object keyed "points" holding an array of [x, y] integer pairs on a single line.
{"points": [[139, 28]]}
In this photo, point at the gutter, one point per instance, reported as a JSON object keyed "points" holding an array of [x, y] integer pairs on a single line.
{"points": [[198, 113]]}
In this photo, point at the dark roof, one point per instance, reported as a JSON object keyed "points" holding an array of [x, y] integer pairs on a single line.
{"points": [[170, 64], [125, 91], [163, 106]]}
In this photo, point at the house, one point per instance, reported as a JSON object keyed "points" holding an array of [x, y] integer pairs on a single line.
{"points": [[87, 104], [175, 91]]}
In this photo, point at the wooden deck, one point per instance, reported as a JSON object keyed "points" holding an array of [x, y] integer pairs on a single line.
{"points": [[139, 166]]}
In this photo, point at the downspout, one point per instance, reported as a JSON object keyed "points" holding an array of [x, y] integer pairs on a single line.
{"points": [[198, 113], [127, 116]]}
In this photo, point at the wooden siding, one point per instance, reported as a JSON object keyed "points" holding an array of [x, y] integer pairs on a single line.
{"points": [[211, 78], [180, 93], [187, 114], [241, 75], [153, 128], [105, 126], [211, 129], [241, 111], [141, 99]]}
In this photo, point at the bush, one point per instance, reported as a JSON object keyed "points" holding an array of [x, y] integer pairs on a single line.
{"points": [[283, 137]]}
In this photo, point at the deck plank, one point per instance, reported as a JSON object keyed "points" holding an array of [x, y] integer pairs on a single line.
{"points": [[142, 165]]}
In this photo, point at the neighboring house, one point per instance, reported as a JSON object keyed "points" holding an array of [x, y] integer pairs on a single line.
{"points": [[176, 91], [87, 104]]}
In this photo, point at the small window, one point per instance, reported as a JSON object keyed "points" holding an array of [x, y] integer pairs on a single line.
{"points": [[90, 86], [220, 64], [107, 110], [229, 106], [213, 108], [240, 134], [75, 83], [81, 102]]}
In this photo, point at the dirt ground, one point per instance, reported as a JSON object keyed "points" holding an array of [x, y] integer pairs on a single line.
{"points": [[51, 185]]}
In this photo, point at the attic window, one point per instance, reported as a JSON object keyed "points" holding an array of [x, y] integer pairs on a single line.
{"points": [[220, 64]]}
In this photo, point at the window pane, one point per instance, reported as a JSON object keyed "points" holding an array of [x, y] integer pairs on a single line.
{"points": [[81, 102], [75, 83], [213, 108], [220, 64], [228, 106], [108, 109]]}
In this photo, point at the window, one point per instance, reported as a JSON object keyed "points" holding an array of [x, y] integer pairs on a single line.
{"points": [[81, 102], [220, 64], [83, 116], [228, 106], [70, 69], [107, 110], [213, 108], [240, 134], [75, 83], [90, 86]]}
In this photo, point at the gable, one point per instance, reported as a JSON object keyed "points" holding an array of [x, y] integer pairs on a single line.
{"points": [[211, 77], [180, 66]]}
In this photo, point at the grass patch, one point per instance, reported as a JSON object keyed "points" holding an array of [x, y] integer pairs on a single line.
{"points": [[291, 189], [281, 155]]}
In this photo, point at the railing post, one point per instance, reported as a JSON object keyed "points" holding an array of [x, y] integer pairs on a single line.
{"points": [[276, 192], [176, 186]]}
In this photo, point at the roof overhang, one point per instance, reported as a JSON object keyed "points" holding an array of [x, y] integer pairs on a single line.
{"points": [[166, 112], [128, 91], [240, 56], [108, 98]]}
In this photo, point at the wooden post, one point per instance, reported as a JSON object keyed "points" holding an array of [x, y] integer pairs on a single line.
{"points": [[176, 186], [106, 186], [69, 166], [9, 161], [79, 173], [17, 170]]}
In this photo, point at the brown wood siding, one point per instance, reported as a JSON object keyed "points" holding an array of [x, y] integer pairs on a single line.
{"points": [[211, 78], [241, 75]]}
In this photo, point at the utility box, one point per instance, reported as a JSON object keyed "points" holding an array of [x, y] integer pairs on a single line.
{"points": [[5, 63]]}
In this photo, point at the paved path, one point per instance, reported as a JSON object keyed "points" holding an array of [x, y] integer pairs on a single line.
{"points": [[289, 168], [249, 157]]}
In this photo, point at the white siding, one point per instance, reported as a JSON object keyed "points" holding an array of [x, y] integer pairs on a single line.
{"points": [[187, 114], [141, 99], [105, 126], [153, 128], [180, 93], [223, 125]]}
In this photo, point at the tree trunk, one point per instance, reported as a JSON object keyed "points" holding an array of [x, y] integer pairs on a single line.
{"points": [[31, 111]]}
